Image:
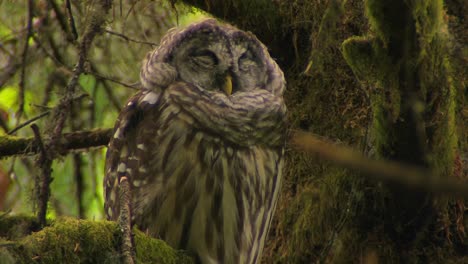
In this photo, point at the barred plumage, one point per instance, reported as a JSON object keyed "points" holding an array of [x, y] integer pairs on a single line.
{"points": [[205, 167]]}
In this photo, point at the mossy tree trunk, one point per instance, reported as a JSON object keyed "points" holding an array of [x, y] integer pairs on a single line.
{"points": [[397, 103], [413, 103]]}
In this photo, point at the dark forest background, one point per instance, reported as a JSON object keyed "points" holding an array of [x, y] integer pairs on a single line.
{"points": [[376, 164]]}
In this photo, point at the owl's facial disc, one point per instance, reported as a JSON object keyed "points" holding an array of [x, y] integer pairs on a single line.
{"points": [[203, 60], [250, 71]]}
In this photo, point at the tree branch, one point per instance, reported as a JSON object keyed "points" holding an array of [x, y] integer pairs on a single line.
{"points": [[385, 170], [125, 224], [43, 180], [23, 61], [11, 146]]}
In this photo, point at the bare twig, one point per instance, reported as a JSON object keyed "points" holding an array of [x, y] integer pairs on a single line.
{"points": [[111, 96], [152, 44], [76, 123], [92, 155], [61, 112], [46, 52], [60, 18], [23, 61], [135, 86], [14, 130], [44, 179], [77, 164], [125, 221], [71, 21], [388, 171], [11, 132]]}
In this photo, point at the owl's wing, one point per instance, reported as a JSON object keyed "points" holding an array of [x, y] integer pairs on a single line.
{"points": [[124, 150]]}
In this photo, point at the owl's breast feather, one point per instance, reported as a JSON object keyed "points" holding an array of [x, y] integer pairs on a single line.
{"points": [[254, 117]]}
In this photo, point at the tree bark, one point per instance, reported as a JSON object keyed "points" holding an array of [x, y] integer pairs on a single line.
{"points": [[397, 103]]}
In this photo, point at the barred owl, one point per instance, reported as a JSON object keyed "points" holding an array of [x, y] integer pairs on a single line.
{"points": [[203, 143]]}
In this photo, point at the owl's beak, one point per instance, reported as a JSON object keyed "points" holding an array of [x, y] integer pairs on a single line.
{"points": [[227, 87]]}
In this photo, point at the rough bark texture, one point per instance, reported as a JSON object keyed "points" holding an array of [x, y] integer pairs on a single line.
{"points": [[398, 102], [10, 145], [413, 121]]}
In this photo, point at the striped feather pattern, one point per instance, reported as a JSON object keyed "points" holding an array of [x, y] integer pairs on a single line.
{"points": [[205, 168]]}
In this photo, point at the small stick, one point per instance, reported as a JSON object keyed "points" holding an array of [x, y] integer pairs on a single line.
{"points": [[152, 44], [71, 21], [125, 221], [44, 179], [23, 60], [28, 122]]}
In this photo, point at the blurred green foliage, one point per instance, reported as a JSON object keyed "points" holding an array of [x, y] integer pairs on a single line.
{"points": [[132, 29]]}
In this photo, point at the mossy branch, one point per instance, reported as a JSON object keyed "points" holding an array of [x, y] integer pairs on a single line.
{"points": [[300, 141], [11, 145], [69, 240]]}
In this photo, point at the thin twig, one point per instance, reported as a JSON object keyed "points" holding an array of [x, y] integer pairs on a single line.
{"points": [[75, 124], [46, 52], [111, 95], [125, 221], [77, 164], [92, 159], [60, 18], [11, 132], [44, 179], [61, 112], [107, 88], [152, 44], [14, 130], [71, 21], [23, 61], [135, 86]]}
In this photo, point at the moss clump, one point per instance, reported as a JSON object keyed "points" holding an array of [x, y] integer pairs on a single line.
{"points": [[17, 226], [72, 241], [150, 250], [68, 240]]}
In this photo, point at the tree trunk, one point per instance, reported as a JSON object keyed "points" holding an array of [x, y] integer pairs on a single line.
{"points": [[397, 103]]}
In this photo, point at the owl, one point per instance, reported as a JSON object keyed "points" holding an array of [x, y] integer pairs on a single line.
{"points": [[202, 144]]}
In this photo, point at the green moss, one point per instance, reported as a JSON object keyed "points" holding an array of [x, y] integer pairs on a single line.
{"points": [[16, 226], [407, 64], [72, 241], [359, 54], [429, 19], [69, 240], [149, 250], [8, 144]]}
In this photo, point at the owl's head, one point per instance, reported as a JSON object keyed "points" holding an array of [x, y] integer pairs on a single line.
{"points": [[215, 57]]}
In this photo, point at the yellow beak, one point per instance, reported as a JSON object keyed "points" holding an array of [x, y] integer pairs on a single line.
{"points": [[228, 85]]}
